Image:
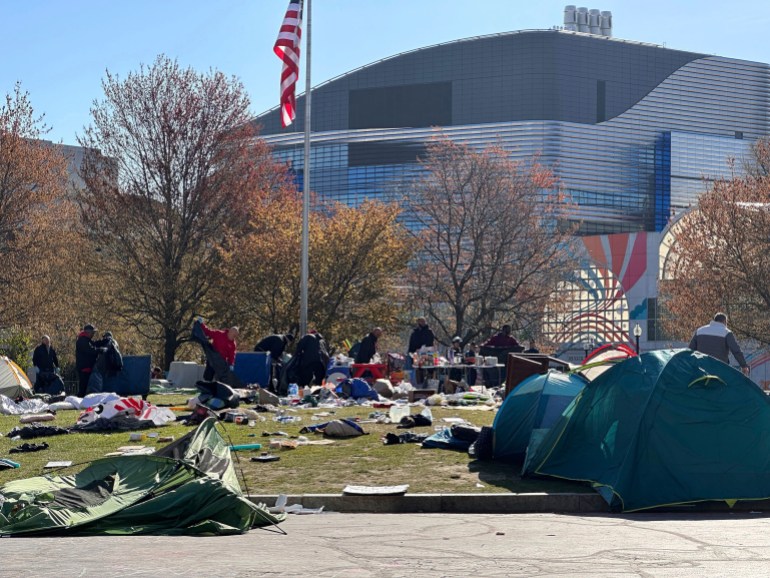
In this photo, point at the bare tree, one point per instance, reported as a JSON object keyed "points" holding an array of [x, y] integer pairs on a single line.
{"points": [[491, 246], [721, 257], [171, 170]]}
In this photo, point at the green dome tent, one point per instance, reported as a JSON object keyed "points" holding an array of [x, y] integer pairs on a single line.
{"points": [[187, 487], [530, 410], [668, 427]]}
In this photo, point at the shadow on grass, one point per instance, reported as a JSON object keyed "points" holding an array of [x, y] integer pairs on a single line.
{"points": [[505, 476]]}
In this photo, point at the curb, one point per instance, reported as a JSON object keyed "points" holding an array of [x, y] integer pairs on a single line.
{"points": [[587, 503]]}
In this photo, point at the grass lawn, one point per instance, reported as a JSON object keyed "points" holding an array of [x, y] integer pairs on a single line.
{"points": [[364, 460]]}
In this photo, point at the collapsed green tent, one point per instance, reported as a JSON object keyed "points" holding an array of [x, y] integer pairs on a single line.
{"points": [[530, 410], [188, 487], [665, 428]]}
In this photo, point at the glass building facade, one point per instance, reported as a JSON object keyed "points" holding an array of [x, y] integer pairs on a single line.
{"points": [[632, 131]]}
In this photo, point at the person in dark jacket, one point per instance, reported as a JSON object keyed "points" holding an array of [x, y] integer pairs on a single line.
{"points": [[46, 364], [275, 345], [368, 346], [108, 363], [422, 336], [532, 347], [312, 359], [86, 352]]}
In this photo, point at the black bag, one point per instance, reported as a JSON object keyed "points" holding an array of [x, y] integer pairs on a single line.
{"points": [[482, 448], [464, 432]]}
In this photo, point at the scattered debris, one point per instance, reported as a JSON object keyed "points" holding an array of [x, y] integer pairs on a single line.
{"points": [[36, 431], [376, 490], [63, 464], [281, 507], [27, 447], [37, 417], [265, 457]]}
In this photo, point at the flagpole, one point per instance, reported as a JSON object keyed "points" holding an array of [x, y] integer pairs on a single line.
{"points": [[305, 184]]}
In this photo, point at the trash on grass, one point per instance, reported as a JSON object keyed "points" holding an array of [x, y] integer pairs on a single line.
{"points": [[376, 490], [281, 507]]}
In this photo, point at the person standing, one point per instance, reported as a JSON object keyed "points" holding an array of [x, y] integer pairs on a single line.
{"points": [[503, 339], [422, 336], [368, 347], [225, 343], [532, 347], [312, 359], [716, 340], [86, 352], [46, 364], [275, 345]]}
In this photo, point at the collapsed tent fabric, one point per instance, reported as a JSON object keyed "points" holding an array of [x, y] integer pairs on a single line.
{"points": [[188, 487], [27, 406], [668, 427], [14, 383], [531, 409]]}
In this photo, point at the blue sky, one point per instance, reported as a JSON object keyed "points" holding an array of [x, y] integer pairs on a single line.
{"points": [[60, 49]]}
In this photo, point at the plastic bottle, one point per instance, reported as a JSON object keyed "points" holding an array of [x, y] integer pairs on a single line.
{"points": [[435, 358], [293, 390]]}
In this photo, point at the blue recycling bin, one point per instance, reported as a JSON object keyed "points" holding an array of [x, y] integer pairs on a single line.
{"points": [[253, 367]]}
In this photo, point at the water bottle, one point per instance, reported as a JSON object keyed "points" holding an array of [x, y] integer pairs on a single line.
{"points": [[293, 390]]}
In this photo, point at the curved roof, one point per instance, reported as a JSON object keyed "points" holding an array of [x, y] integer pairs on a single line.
{"points": [[525, 75]]}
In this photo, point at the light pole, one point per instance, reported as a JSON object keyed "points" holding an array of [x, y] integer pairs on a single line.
{"points": [[637, 334]]}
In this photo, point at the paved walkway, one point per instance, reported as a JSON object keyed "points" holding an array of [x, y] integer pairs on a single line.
{"points": [[422, 545]]}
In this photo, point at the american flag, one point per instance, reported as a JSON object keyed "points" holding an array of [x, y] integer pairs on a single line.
{"points": [[287, 49]]}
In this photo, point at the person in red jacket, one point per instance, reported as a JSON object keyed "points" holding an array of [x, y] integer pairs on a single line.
{"points": [[224, 342]]}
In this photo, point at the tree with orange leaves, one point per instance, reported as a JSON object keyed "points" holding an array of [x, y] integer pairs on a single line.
{"points": [[720, 257], [357, 258], [491, 248], [35, 214]]}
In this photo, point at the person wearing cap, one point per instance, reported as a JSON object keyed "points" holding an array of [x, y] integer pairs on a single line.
{"points": [[86, 352], [456, 349], [454, 352], [368, 347]]}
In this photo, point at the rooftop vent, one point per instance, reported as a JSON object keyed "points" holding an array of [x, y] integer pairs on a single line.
{"points": [[591, 21]]}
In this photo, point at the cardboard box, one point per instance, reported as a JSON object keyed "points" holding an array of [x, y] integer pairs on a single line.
{"points": [[418, 394]]}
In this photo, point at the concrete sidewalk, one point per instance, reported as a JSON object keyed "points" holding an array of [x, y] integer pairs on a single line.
{"points": [[477, 503], [424, 545]]}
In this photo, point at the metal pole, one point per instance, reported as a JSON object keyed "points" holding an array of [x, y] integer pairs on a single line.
{"points": [[637, 345], [305, 184]]}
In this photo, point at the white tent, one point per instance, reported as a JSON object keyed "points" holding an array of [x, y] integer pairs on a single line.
{"points": [[13, 381]]}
